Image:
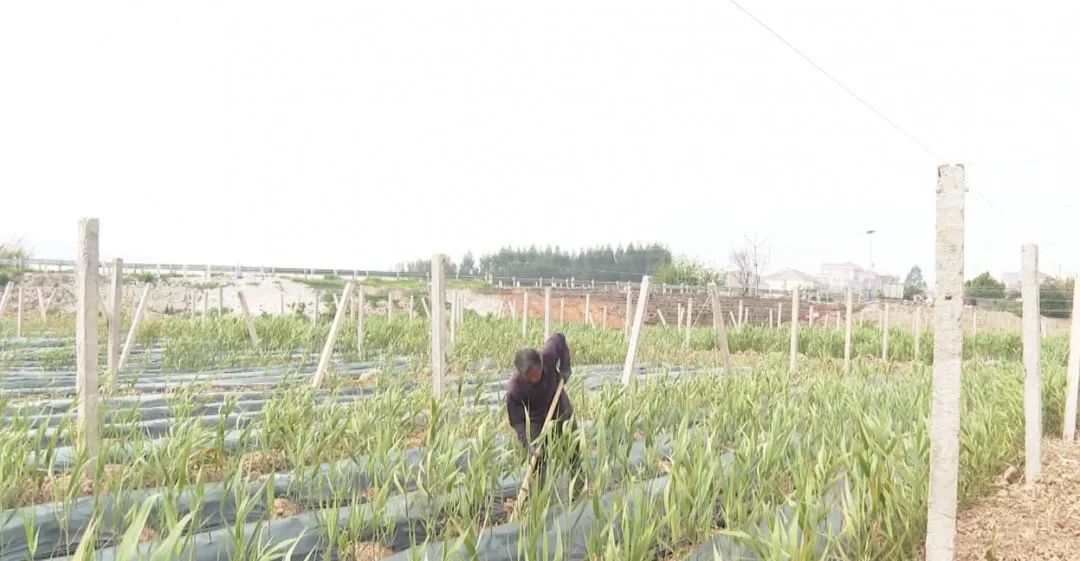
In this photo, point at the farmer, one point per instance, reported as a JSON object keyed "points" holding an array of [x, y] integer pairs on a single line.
{"points": [[529, 394]]}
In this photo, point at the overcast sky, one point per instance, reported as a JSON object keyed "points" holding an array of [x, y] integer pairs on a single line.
{"points": [[361, 134]]}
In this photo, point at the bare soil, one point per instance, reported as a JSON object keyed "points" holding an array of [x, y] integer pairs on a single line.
{"points": [[1021, 521]]}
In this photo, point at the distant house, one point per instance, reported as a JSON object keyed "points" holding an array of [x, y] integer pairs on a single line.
{"points": [[838, 277], [789, 279]]}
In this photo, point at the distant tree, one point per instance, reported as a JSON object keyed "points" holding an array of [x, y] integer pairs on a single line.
{"points": [[468, 265], [1055, 298], [914, 285], [683, 270], [984, 286], [744, 269]]}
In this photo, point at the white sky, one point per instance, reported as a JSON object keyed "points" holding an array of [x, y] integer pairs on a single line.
{"points": [[361, 134]]}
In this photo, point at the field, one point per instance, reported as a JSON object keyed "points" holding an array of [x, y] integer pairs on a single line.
{"points": [[217, 449]]}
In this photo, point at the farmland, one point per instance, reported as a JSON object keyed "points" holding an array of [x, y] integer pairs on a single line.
{"points": [[214, 447]]}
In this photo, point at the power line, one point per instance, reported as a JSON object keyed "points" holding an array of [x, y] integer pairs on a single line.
{"points": [[838, 83]]}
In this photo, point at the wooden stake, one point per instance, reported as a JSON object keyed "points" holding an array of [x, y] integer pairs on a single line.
{"points": [[885, 333], [562, 310], [793, 352], [810, 321], [689, 320], [948, 347], [247, 317], [361, 297], [718, 327], [660, 316], [588, 310], [6, 296], [315, 310], [221, 299], [438, 323], [679, 317], [629, 309], [739, 323], [603, 316], [331, 338], [1072, 375], [918, 332], [389, 304], [412, 307], [847, 332], [18, 314], [87, 279], [116, 316], [635, 330], [525, 314], [1029, 288], [129, 343], [41, 304]]}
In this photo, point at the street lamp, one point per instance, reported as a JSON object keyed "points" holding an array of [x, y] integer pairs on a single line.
{"points": [[870, 236]]}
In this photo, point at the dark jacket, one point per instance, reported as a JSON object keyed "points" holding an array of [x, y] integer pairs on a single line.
{"points": [[525, 400]]}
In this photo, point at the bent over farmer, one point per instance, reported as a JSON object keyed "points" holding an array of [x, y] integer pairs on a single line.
{"points": [[529, 394]]}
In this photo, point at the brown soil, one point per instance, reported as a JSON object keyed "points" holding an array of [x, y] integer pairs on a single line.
{"points": [[147, 534], [1027, 521], [366, 551], [417, 438], [284, 508]]}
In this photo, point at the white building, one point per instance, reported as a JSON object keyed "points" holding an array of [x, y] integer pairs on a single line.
{"points": [[789, 279]]}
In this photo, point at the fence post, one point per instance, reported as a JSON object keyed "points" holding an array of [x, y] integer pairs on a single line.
{"points": [[1029, 288], [438, 324], [562, 311], [116, 316], [412, 306], [779, 314], [1072, 376], [588, 310], [629, 309], [87, 279], [635, 331], [718, 327], [315, 310], [389, 304], [739, 323], [948, 348], [679, 318], [331, 338], [603, 316], [247, 317], [220, 299]]}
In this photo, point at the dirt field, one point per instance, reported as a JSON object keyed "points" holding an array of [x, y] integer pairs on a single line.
{"points": [[1039, 521]]}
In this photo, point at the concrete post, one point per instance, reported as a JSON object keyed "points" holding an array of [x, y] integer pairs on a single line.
{"points": [[588, 310], [331, 338], [1029, 289], [389, 304], [603, 316], [116, 317], [1072, 375], [948, 348], [87, 280], [779, 314], [6, 296], [679, 317], [438, 323], [629, 308], [220, 299], [562, 311], [315, 310], [635, 331], [412, 307], [281, 303], [739, 322], [810, 320]]}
